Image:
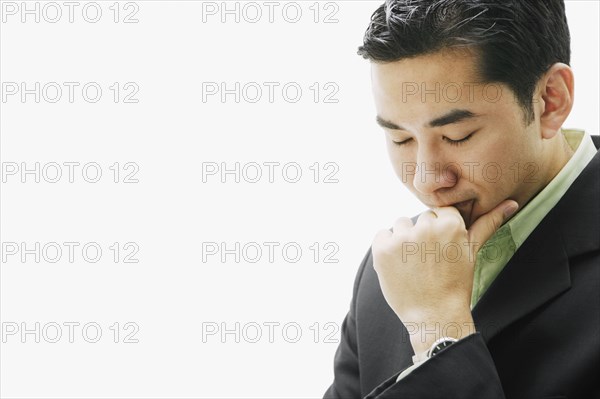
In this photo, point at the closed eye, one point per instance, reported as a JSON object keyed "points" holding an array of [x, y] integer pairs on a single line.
{"points": [[459, 142], [450, 141], [402, 142]]}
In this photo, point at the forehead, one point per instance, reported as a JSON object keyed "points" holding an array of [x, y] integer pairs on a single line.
{"points": [[426, 85], [442, 67]]}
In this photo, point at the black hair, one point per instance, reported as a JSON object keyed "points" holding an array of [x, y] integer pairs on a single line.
{"points": [[517, 40]]}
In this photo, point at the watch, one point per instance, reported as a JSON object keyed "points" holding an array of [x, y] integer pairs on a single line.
{"points": [[438, 346]]}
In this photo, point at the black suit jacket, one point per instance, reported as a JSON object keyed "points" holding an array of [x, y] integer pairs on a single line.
{"points": [[538, 324]]}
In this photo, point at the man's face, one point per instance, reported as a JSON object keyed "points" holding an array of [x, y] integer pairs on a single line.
{"points": [[429, 101]]}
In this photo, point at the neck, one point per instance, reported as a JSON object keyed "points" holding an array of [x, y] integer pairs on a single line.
{"points": [[555, 155], [559, 153]]}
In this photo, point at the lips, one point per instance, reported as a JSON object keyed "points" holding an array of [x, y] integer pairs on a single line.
{"points": [[461, 204]]}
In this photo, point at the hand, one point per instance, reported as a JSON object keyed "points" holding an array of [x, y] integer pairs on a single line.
{"points": [[426, 271]]}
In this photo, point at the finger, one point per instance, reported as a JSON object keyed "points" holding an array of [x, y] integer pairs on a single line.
{"points": [[486, 225], [402, 224], [449, 212], [427, 216], [380, 241]]}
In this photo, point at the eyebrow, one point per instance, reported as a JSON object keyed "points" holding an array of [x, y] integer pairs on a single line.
{"points": [[454, 116]]}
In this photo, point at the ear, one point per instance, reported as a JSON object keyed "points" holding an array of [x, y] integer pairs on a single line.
{"points": [[556, 89]]}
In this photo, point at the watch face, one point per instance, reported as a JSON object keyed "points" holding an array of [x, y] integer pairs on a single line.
{"points": [[439, 347]]}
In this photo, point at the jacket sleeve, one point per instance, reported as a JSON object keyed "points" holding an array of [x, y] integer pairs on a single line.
{"points": [[465, 370], [346, 382]]}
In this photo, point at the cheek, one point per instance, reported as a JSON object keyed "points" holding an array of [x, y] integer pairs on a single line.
{"points": [[495, 181], [401, 163], [392, 152], [493, 162]]}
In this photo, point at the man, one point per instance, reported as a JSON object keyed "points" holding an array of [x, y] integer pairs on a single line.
{"points": [[495, 291]]}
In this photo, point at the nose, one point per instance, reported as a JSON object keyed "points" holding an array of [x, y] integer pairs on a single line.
{"points": [[432, 172]]}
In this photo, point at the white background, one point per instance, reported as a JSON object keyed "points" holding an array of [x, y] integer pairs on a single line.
{"points": [[171, 294]]}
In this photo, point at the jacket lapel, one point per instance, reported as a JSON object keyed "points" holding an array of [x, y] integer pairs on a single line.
{"points": [[539, 269]]}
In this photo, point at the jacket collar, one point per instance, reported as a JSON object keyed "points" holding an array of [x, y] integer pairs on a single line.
{"points": [[539, 269]]}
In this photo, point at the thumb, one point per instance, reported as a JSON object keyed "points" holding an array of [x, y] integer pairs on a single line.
{"points": [[486, 225]]}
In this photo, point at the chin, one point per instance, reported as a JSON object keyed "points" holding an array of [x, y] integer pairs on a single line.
{"points": [[467, 221], [473, 218], [470, 216]]}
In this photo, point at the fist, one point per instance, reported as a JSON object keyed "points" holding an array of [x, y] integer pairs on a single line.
{"points": [[426, 270]]}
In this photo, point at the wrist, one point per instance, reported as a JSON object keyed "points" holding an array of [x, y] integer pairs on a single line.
{"points": [[437, 346], [424, 334]]}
